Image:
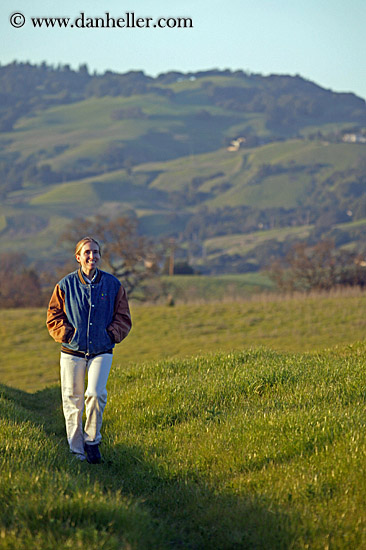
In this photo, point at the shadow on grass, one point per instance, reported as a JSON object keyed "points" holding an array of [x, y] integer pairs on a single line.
{"points": [[43, 407], [184, 514]]}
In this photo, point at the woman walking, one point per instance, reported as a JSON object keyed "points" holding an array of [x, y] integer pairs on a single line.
{"points": [[88, 314]]}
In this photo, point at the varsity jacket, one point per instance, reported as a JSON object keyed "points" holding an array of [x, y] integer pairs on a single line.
{"points": [[88, 318]]}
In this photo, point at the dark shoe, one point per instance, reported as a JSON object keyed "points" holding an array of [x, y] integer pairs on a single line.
{"points": [[93, 455]]}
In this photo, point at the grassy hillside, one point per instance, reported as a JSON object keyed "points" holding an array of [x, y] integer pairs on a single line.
{"points": [[237, 168], [252, 449], [242, 243], [80, 145], [34, 218], [286, 190]]}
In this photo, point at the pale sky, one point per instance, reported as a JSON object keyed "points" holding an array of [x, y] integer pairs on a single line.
{"points": [[321, 40]]}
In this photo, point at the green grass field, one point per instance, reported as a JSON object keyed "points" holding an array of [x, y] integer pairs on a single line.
{"points": [[30, 357], [229, 425]]}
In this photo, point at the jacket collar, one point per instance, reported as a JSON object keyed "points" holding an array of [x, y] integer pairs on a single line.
{"points": [[82, 276]]}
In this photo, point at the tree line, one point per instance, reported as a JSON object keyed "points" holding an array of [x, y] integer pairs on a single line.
{"points": [[319, 267], [138, 262]]}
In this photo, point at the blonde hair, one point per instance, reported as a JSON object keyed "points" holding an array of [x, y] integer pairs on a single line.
{"points": [[83, 241]]}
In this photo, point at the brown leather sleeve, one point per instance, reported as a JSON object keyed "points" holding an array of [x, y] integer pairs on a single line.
{"points": [[121, 324], [57, 322]]}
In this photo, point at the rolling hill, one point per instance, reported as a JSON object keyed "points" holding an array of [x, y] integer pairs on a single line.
{"points": [[222, 161]]}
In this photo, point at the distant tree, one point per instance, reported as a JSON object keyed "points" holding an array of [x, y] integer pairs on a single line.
{"points": [[19, 285], [318, 267], [131, 257], [83, 69]]}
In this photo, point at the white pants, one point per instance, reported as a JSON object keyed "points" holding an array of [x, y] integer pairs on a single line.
{"points": [[73, 373]]}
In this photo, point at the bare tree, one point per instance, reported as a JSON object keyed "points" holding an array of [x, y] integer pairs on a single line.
{"points": [[19, 285], [319, 267], [129, 256]]}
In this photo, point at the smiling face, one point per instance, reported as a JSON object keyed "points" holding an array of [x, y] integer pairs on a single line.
{"points": [[88, 258]]}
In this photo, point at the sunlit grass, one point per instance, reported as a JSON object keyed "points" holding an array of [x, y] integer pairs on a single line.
{"points": [[251, 449], [30, 358]]}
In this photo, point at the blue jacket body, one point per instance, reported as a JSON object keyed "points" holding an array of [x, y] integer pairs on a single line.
{"points": [[89, 317]]}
